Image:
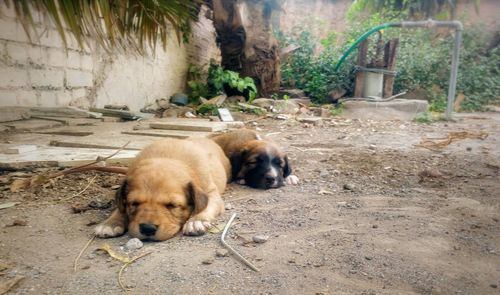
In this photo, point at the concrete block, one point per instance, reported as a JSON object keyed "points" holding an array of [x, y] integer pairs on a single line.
{"points": [[76, 79], [47, 78], [17, 53], [64, 98], [74, 59], [79, 93], [57, 57], [12, 30], [8, 98], [48, 98], [87, 62], [51, 38], [13, 77], [27, 97], [37, 55], [7, 11]]}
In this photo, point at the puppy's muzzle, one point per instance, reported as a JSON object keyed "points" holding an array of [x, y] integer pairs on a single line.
{"points": [[270, 181], [148, 229]]}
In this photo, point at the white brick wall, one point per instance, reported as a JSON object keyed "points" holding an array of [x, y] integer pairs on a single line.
{"points": [[53, 79], [77, 78], [44, 73]]}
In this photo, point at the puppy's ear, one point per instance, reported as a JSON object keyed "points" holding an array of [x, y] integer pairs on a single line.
{"points": [[287, 170], [196, 198], [121, 196], [236, 160]]}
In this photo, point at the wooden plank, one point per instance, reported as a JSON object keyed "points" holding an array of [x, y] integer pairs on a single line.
{"points": [[126, 115], [92, 144], [66, 132], [360, 76], [391, 51], [167, 133], [70, 121], [8, 114], [190, 126], [28, 125], [63, 157], [71, 112]]}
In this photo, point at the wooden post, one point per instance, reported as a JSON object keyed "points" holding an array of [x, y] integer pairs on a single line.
{"points": [[360, 75], [390, 63]]}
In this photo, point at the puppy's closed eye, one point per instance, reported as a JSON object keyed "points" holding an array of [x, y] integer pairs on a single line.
{"points": [[170, 206]]}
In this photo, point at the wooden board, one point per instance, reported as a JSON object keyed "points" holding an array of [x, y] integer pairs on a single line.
{"points": [[167, 133], [63, 157], [32, 124], [8, 114], [63, 112], [190, 126], [66, 132], [70, 121]]}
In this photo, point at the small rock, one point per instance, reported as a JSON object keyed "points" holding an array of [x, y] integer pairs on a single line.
{"points": [[494, 286], [374, 226], [207, 261], [368, 257], [291, 260], [281, 117], [180, 99], [133, 244], [228, 206], [18, 222], [372, 147], [352, 271], [468, 149], [348, 187], [259, 239], [221, 253], [189, 115]]}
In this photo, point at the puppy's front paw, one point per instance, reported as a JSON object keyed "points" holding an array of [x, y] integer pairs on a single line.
{"points": [[196, 227], [104, 230], [292, 179]]}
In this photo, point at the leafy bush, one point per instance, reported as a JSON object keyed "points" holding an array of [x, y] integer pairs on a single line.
{"points": [[423, 62], [220, 81]]}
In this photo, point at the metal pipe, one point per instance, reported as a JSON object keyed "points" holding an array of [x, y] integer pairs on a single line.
{"points": [[452, 87], [424, 24]]}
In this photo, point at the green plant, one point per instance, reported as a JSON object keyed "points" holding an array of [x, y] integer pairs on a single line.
{"points": [[208, 109], [424, 117]]}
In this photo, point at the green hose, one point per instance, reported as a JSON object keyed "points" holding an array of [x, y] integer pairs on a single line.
{"points": [[363, 37]]}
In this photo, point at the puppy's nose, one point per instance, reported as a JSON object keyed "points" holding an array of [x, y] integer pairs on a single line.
{"points": [[270, 179], [148, 229]]}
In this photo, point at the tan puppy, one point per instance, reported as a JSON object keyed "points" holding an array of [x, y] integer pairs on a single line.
{"points": [[255, 161], [173, 184]]}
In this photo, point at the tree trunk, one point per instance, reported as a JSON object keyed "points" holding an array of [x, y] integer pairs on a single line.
{"points": [[247, 42]]}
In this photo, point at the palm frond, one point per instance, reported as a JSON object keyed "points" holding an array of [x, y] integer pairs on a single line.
{"points": [[125, 24]]}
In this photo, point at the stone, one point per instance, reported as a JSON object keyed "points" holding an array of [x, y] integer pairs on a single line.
{"points": [[221, 253], [236, 99], [348, 187], [260, 239], [207, 261], [133, 244], [310, 120]]}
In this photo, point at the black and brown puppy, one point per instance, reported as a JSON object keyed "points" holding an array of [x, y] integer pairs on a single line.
{"points": [[172, 185], [255, 161]]}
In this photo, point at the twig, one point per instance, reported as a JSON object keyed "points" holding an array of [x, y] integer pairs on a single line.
{"points": [[124, 266], [80, 192], [223, 236], [82, 167], [75, 264]]}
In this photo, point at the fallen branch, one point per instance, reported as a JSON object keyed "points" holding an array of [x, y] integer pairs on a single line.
{"points": [[75, 264], [38, 180], [223, 236], [436, 144]]}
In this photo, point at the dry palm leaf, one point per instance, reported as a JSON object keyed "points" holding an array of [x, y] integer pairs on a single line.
{"points": [[436, 144]]}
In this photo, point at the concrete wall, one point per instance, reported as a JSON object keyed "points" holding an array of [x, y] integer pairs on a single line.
{"points": [[317, 16], [43, 73]]}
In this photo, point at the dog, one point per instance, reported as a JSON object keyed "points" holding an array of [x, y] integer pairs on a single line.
{"points": [[255, 161], [172, 185]]}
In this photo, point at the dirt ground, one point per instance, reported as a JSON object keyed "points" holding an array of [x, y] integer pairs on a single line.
{"points": [[373, 214]]}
